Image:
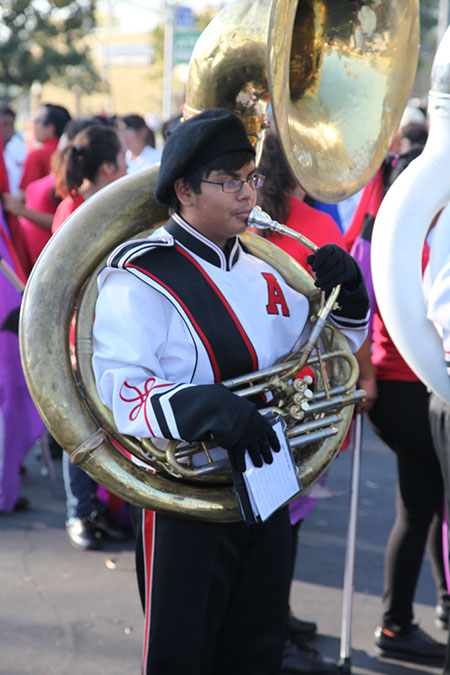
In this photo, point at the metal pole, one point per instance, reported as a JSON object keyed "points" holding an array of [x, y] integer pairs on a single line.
{"points": [[349, 571], [168, 60], [107, 33], [11, 275]]}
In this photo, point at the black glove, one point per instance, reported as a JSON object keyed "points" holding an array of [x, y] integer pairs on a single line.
{"points": [[332, 266], [259, 438]]}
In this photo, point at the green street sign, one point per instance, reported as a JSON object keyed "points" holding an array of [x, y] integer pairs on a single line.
{"points": [[183, 45]]}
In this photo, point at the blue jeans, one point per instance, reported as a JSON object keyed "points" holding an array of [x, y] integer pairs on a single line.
{"points": [[81, 490]]}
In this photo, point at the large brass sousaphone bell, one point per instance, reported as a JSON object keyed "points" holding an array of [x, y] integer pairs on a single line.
{"points": [[337, 75]]}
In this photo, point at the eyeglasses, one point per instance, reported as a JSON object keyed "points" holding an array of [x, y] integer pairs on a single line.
{"points": [[235, 184]]}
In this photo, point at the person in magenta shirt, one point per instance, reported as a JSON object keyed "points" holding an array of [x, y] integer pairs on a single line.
{"points": [[36, 214]]}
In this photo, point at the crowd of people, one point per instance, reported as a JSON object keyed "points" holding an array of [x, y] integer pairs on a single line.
{"points": [[209, 181]]}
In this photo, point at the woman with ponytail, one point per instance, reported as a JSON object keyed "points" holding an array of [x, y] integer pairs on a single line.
{"points": [[93, 160]]}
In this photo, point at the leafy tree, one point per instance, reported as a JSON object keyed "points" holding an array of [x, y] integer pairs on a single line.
{"points": [[42, 40], [428, 23]]}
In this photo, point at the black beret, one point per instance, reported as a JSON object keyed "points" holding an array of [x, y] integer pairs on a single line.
{"points": [[192, 144]]}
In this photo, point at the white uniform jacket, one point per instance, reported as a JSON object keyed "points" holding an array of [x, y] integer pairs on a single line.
{"points": [[176, 313], [439, 308]]}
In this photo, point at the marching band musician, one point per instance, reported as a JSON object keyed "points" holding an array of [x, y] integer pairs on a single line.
{"points": [[439, 410], [177, 314]]}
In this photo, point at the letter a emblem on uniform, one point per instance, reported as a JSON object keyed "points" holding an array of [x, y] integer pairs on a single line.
{"points": [[276, 299]]}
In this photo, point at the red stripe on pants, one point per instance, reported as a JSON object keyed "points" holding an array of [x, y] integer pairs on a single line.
{"points": [[148, 542]]}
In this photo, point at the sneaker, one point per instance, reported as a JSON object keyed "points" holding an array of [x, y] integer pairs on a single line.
{"points": [[442, 612], [21, 504], [411, 645], [82, 534], [305, 659]]}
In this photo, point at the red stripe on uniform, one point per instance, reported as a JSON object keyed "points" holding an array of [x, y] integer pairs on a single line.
{"points": [[238, 324]]}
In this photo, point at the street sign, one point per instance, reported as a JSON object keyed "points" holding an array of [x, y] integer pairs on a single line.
{"points": [[184, 17], [183, 45]]}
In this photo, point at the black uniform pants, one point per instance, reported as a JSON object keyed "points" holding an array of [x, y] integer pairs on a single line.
{"points": [[440, 429], [400, 418], [215, 595]]}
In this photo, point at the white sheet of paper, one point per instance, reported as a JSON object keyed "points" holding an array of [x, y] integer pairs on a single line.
{"points": [[272, 485]]}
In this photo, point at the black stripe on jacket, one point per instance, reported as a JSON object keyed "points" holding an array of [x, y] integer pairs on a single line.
{"points": [[229, 348]]}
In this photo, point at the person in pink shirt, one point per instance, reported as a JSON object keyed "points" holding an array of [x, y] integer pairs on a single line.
{"points": [[35, 213]]}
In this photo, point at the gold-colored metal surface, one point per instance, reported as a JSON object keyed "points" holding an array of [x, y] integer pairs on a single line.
{"points": [[337, 74]]}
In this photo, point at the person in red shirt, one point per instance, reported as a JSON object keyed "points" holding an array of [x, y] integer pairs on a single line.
{"points": [[35, 213], [400, 418], [94, 159], [49, 125], [41, 196], [282, 198]]}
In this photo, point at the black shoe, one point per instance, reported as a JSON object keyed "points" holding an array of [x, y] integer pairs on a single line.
{"points": [[306, 659], [82, 534], [442, 612], [21, 504], [299, 629], [104, 526], [411, 645]]}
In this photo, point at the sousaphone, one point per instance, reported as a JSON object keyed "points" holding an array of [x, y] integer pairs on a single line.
{"points": [[336, 76], [418, 197]]}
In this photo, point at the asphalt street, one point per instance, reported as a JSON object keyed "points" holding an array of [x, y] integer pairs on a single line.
{"points": [[67, 612]]}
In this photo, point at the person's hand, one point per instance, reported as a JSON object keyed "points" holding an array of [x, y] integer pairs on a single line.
{"points": [[13, 203], [259, 438], [333, 266]]}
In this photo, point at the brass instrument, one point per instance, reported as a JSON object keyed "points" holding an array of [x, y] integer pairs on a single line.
{"points": [[337, 75], [62, 286]]}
